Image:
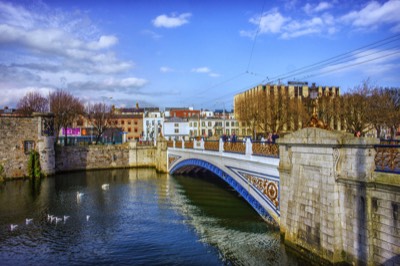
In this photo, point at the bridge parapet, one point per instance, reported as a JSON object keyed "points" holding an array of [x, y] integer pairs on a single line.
{"points": [[247, 147]]}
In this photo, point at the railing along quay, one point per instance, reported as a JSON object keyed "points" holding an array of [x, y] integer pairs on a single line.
{"points": [[387, 158]]}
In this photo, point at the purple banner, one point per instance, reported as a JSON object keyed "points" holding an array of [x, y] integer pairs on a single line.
{"points": [[73, 132]]}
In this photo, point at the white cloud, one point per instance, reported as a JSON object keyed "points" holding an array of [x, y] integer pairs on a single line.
{"points": [[206, 70], [322, 6], [171, 21], [273, 22], [43, 48], [166, 69], [201, 70], [374, 15], [103, 42], [270, 22]]}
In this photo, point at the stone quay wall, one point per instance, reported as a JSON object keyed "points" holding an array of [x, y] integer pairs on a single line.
{"points": [[333, 204], [72, 158], [18, 135]]}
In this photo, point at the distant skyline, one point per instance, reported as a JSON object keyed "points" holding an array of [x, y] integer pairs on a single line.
{"points": [[192, 53]]}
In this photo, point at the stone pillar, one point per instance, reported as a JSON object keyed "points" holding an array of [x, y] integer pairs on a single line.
{"points": [[249, 147], [221, 145], [317, 214], [161, 155], [45, 143]]}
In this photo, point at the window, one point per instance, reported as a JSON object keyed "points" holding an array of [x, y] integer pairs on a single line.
{"points": [[176, 130], [122, 122], [29, 145], [129, 129], [135, 122], [209, 124], [195, 124], [147, 122], [203, 124], [227, 124], [136, 130], [176, 125], [232, 124], [190, 124], [129, 122]]}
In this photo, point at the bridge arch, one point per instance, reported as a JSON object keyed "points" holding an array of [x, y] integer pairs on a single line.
{"points": [[198, 163]]}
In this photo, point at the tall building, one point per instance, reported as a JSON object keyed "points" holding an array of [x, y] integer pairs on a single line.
{"points": [[272, 108]]}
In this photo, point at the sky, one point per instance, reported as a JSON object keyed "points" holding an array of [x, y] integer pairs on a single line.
{"points": [[181, 53]]}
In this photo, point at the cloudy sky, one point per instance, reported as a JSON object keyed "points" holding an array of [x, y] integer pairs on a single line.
{"points": [[192, 53]]}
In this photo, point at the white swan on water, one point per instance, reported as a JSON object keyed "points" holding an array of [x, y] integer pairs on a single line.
{"points": [[13, 227], [65, 218], [87, 218], [79, 195], [28, 221], [105, 186]]}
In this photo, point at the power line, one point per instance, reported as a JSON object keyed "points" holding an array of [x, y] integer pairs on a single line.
{"points": [[255, 37], [343, 56]]}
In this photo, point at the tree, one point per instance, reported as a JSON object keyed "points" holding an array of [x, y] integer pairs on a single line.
{"points": [[32, 102], [65, 108], [356, 109], [100, 117]]}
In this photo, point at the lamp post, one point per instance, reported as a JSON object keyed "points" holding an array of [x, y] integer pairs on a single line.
{"points": [[314, 121]]}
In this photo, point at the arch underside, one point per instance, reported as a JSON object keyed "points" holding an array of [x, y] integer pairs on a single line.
{"points": [[190, 166]]}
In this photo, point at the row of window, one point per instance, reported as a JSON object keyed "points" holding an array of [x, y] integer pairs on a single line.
{"points": [[210, 124]]}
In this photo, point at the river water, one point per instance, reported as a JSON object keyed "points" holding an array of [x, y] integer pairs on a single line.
{"points": [[143, 218]]}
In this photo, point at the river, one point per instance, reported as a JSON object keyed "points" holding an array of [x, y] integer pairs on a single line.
{"points": [[142, 218]]}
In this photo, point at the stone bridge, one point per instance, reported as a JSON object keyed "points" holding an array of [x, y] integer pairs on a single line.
{"points": [[330, 193]]}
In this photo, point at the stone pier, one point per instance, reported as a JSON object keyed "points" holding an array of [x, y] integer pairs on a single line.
{"points": [[333, 204]]}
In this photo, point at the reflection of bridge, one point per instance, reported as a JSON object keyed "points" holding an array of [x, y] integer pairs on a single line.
{"points": [[250, 168]]}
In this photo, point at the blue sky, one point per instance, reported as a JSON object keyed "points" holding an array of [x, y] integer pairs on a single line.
{"points": [[192, 53]]}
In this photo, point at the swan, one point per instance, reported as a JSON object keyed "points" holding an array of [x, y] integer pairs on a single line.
{"points": [[13, 227], [65, 217], [87, 218], [79, 195], [58, 220], [105, 186], [28, 220]]}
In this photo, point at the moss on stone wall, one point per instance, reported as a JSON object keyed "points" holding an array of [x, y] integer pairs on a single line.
{"points": [[34, 169], [2, 173]]}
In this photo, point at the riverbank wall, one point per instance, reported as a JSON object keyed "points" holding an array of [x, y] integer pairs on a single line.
{"points": [[127, 155], [20, 135]]}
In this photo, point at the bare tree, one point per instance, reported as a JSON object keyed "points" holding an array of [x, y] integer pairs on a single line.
{"points": [[66, 109], [33, 102], [100, 117], [356, 109]]}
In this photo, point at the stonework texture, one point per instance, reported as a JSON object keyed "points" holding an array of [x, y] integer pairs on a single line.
{"points": [[15, 132], [332, 204], [126, 155]]}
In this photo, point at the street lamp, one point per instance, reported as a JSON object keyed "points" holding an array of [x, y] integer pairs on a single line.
{"points": [[314, 121]]}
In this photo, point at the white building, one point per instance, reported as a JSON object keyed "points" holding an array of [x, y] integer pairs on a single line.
{"points": [[176, 128], [153, 122]]}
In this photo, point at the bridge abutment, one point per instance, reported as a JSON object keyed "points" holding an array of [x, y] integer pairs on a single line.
{"points": [[330, 198]]}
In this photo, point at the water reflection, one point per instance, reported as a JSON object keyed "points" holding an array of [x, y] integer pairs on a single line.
{"points": [[144, 218]]}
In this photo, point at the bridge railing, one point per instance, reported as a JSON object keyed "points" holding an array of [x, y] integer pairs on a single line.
{"points": [[246, 147], [263, 148], [387, 158]]}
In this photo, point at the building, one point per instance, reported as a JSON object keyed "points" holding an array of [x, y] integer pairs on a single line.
{"points": [[284, 108], [176, 128], [153, 122]]}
